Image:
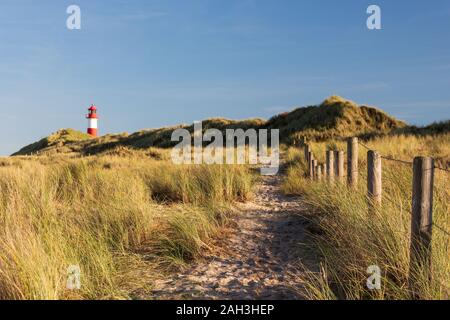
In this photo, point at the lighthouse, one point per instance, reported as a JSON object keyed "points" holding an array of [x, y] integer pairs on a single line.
{"points": [[92, 121]]}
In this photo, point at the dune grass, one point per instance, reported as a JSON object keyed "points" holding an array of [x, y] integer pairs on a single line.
{"points": [[350, 240], [122, 220]]}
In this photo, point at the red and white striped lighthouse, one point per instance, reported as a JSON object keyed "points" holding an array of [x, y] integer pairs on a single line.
{"points": [[92, 121]]}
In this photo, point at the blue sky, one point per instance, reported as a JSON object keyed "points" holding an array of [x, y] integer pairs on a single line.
{"points": [[154, 63]]}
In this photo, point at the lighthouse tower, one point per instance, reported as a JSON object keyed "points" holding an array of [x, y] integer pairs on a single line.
{"points": [[92, 121]]}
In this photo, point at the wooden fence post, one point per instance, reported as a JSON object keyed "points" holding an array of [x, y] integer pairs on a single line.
{"points": [[339, 164], [352, 162], [311, 165], [373, 179], [421, 220], [315, 163], [307, 150], [319, 172], [330, 165]]}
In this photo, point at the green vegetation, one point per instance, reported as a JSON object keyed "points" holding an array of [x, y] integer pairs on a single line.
{"points": [[350, 240]]}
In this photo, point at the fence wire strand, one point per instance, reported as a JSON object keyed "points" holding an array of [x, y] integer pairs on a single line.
{"points": [[364, 145], [441, 229], [387, 158], [442, 169], [400, 161], [409, 163], [397, 160]]}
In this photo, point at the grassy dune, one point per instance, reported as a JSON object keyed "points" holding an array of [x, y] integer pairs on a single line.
{"points": [[123, 220], [350, 240], [334, 117]]}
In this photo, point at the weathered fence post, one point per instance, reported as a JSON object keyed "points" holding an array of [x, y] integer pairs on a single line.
{"points": [[319, 172], [352, 162], [311, 165], [330, 165], [315, 163], [373, 180], [339, 164], [307, 151], [421, 221]]}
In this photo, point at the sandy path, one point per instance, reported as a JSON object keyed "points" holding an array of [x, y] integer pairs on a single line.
{"points": [[257, 261]]}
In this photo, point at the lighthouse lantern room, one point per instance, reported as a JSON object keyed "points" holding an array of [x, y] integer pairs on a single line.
{"points": [[92, 121]]}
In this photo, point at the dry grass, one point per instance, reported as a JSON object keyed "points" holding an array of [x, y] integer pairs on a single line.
{"points": [[403, 147], [121, 219], [350, 240]]}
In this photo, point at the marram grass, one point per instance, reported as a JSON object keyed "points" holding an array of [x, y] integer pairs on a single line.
{"points": [[121, 220], [350, 239]]}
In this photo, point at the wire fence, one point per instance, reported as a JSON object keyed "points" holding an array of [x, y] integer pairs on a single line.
{"points": [[385, 157], [398, 160], [420, 202], [442, 169], [409, 163], [441, 229]]}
